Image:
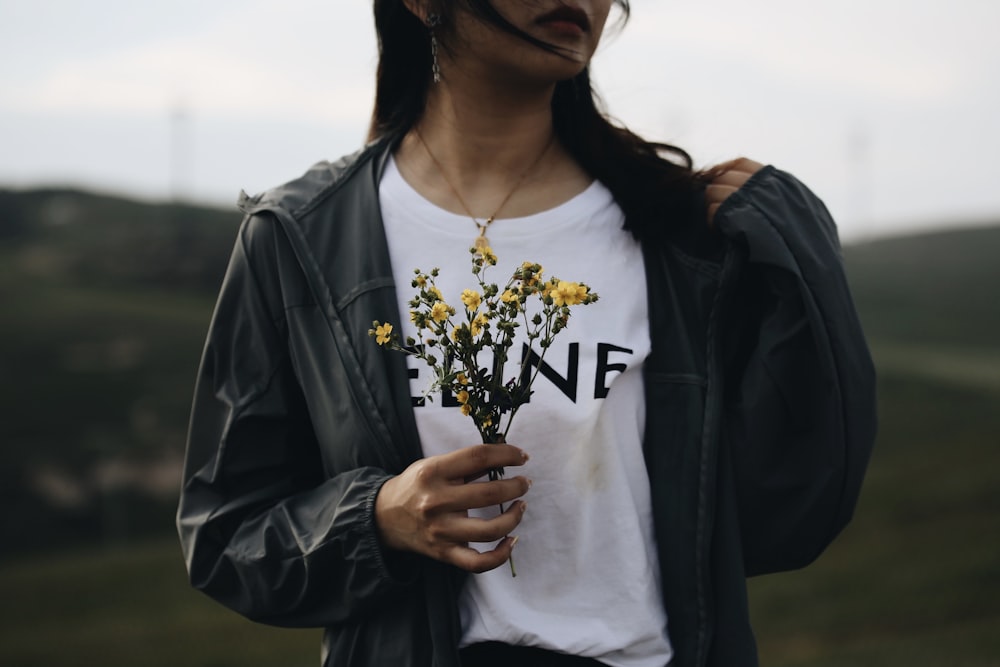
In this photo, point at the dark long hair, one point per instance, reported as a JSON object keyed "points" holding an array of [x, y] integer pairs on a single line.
{"points": [[654, 183]]}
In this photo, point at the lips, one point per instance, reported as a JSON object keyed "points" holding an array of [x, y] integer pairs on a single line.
{"points": [[566, 15]]}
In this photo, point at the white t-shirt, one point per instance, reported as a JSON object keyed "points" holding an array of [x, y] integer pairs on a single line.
{"points": [[587, 574]]}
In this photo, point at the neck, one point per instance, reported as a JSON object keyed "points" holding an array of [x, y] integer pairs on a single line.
{"points": [[478, 126], [484, 146]]}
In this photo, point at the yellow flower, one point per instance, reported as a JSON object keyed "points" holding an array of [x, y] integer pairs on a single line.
{"points": [[486, 253], [471, 299], [436, 292], [462, 379], [382, 333], [508, 296], [568, 294], [478, 323], [549, 286], [439, 311], [462, 397], [466, 409], [421, 281]]}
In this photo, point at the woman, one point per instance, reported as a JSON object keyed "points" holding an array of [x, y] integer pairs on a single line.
{"points": [[708, 419]]}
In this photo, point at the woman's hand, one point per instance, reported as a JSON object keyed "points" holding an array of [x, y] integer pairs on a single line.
{"points": [[425, 509], [725, 179]]}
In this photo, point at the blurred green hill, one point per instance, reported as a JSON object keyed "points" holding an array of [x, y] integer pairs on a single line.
{"points": [[105, 303], [105, 306], [934, 288], [930, 305]]}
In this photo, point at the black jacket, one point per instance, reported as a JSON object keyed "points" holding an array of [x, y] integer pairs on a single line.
{"points": [[760, 420]]}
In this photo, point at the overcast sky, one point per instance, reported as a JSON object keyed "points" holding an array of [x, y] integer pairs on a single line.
{"points": [[888, 109]]}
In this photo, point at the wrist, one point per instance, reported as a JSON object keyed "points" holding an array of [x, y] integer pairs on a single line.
{"points": [[399, 564], [383, 509]]}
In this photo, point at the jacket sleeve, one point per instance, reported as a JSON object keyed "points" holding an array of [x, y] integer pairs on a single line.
{"points": [[264, 530], [800, 383]]}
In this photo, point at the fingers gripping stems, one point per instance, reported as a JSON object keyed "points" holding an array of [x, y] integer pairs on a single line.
{"points": [[426, 508]]}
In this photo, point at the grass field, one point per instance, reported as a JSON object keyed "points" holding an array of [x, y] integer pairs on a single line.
{"points": [[130, 607], [912, 582], [914, 579]]}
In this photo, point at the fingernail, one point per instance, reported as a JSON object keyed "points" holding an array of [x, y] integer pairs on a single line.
{"points": [[524, 455], [530, 482], [513, 541], [524, 507]]}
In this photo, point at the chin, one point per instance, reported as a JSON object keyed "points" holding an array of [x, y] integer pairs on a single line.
{"points": [[558, 68]]}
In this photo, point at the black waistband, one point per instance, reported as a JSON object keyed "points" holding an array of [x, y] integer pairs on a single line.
{"points": [[497, 654]]}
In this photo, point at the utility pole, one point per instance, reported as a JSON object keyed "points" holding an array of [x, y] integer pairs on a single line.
{"points": [[181, 157], [859, 181]]}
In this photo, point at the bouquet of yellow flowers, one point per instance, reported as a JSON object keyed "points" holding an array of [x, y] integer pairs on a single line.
{"points": [[451, 343]]}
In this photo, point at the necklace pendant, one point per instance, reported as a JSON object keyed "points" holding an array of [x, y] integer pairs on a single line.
{"points": [[482, 242]]}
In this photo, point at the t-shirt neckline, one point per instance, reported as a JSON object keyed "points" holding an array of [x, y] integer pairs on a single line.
{"points": [[428, 214]]}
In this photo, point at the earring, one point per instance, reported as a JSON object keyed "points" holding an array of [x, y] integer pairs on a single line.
{"points": [[433, 21]]}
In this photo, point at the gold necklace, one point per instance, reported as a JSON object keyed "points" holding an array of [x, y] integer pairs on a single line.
{"points": [[481, 240]]}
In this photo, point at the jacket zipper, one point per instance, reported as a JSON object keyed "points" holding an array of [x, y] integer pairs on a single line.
{"points": [[708, 464]]}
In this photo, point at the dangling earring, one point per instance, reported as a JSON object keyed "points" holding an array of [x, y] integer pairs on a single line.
{"points": [[433, 21]]}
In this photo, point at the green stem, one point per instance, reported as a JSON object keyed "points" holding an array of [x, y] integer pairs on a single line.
{"points": [[495, 474]]}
